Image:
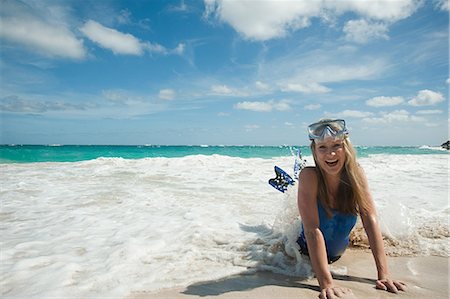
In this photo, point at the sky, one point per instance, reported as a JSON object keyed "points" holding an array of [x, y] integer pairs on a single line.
{"points": [[223, 72]]}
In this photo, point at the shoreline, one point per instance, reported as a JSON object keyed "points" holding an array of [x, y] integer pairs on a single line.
{"points": [[426, 277]]}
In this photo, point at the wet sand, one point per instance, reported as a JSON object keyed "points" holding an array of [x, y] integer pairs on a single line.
{"points": [[426, 277]]}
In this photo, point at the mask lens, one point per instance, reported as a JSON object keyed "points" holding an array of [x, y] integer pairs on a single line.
{"points": [[318, 130]]}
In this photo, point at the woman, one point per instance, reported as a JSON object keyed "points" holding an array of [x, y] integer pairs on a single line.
{"points": [[330, 196]]}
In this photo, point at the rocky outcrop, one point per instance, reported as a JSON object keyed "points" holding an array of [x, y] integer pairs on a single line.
{"points": [[446, 145]]}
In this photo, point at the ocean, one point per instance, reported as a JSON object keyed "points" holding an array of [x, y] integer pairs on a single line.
{"points": [[73, 153], [104, 221]]}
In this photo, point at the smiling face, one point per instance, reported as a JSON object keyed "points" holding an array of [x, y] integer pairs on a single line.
{"points": [[330, 155]]}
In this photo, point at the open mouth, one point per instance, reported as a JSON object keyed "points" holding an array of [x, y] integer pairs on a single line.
{"points": [[332, 163]]}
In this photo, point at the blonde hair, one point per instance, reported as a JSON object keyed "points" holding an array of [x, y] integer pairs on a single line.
{"points": [[351, 193]]}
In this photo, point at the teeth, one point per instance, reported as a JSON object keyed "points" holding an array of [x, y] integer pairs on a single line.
{"points": [[332, 163]]}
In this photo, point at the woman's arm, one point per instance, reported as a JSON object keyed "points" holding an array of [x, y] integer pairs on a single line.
{"points": [[371, 226], [307, 205]]}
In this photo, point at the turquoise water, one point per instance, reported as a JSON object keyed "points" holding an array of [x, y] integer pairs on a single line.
{"points": [[72, 153]]}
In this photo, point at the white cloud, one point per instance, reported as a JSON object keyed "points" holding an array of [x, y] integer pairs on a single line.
{"points": [[312, 107], [397, 115], [122, 97], [432, 125], [262, 86], [385, 101], [426, 97], [124, 43], [154, 48], [124, 17], [254, 106], [43, 27], [364, 70], [323, 67], [281, 105], [447, 81], [429, 112], [394, 116], [221, 89], [355, 114], [312, 87], [250, 128], [443, 5], [42, 37], [264, 20], [179, 49], [361, 31], [182, 7], [388, 11], [166, 94], [20, 105], [116, 96], [210, 8], [263, 106], [118, 42], [225, 90]]}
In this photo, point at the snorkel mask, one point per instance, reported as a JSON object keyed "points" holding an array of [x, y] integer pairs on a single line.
{"points": [[328, 128]]}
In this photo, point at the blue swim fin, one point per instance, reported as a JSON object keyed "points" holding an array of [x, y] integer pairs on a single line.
{"points": [[282, 180]]}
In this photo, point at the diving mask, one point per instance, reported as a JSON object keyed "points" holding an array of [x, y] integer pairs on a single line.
{"points": [[334, 128]]}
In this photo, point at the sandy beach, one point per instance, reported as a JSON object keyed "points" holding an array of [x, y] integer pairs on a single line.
{"points": [[426, 277]]}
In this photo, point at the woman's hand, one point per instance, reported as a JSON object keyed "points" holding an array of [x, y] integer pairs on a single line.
{"points": [[389, 285], [334, 292]]}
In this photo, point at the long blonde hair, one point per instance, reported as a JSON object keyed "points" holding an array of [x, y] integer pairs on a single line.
{"points": [[351, 198]]}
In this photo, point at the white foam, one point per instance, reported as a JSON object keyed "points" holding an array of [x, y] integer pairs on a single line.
{"points": [[435, 148], [110, 226]]}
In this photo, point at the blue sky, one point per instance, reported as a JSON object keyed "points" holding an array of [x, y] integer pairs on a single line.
{"points": [[223, 72]]}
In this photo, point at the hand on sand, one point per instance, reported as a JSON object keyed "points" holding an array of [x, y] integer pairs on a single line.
{"points": [[334, 292], [392, 286]]}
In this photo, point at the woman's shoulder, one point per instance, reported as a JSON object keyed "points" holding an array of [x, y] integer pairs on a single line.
{"points": [[309, 170], [308, 173]]}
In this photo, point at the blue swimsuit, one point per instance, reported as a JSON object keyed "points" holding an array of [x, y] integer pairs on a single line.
{"points": [[335, 230]]}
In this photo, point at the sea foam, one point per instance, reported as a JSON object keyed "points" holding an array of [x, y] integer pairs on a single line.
{"points": [[110, 226]]}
